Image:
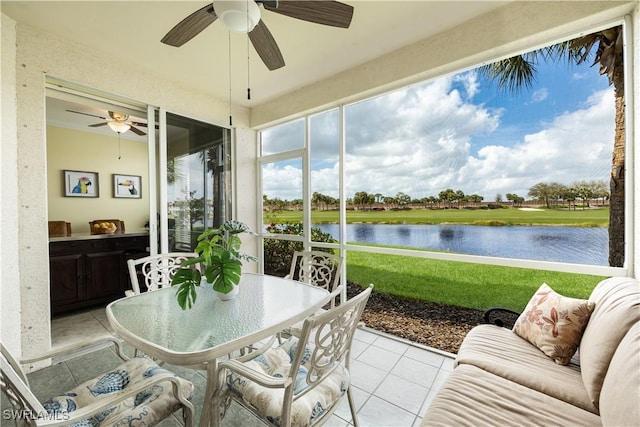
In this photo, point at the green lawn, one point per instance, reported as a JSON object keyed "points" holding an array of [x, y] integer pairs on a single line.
{"points": [[508, 216], [476, 286], [461, 284]]}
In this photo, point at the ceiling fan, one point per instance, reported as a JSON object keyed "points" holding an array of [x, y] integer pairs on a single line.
{"points": [[244, 16], [118, 122]]}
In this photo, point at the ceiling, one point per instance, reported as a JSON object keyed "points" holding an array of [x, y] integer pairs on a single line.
{"points": [[131, 31], [91, 116]]}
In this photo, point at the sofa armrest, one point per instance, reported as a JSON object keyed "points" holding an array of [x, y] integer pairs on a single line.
{"points": [[499, 316]]}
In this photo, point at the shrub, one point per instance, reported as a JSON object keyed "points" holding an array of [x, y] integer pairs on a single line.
{"points": [[278, 253]]}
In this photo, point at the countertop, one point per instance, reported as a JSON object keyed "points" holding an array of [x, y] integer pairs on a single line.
{"points": [[87, 236]]}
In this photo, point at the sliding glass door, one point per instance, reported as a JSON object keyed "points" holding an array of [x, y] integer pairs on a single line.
{"points": [[198, 180]]}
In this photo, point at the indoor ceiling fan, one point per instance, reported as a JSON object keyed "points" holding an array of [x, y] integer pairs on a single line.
{"points": [[244, 16], [118, 122]]}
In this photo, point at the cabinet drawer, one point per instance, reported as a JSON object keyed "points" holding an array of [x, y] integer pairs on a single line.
{"points": [[67, 247]]}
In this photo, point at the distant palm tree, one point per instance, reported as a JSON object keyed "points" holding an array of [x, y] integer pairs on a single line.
{"points": [[605, 47]]}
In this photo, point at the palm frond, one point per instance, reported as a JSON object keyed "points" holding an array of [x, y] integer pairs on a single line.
{"points": [[514, 73], [519, 72]]}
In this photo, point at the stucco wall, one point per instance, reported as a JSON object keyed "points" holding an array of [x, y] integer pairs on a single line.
{"points": [[9, 272], [37, 54]]}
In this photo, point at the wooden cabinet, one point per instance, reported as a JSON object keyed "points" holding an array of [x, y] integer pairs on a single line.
{"points": [[66, 275], [91, 270]]}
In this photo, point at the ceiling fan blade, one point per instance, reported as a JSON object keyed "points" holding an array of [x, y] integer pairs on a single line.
{"points": [[266, 46], [190, 26], [140, 124], [136, 131], [86, 114], [326, 12], [96, 125]]}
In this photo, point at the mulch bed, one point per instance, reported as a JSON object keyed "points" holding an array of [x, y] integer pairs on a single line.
{"points": [[431, 324]]}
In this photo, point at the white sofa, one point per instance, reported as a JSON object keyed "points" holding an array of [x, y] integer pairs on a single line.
{"points": [[502, 379]]}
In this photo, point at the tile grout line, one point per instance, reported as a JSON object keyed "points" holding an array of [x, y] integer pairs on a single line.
{"points": [[389, 372]]}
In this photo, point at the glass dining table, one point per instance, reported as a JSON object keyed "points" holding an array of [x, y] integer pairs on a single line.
{"points": [[154, 323]]}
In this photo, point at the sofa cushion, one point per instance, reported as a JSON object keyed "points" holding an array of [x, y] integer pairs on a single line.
{"points": [[501, 352], [617, 308], [554, 323], [474, 397], [620, 395]]}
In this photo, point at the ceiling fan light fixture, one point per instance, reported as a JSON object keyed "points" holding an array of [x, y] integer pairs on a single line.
{"points": [[118, 127], [233, 13]]}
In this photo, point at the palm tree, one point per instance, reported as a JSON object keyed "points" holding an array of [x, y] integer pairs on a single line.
{"points": [[605, 47]]}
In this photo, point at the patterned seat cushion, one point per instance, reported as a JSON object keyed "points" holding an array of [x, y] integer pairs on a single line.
{"points": [[145, 408], [268, 402]]}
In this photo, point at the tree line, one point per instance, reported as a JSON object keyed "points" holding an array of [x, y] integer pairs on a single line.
{"points": [[548, 194], [585, 191]]}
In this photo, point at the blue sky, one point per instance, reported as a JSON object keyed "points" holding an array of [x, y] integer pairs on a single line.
{"points": [[558, 88], [459, 132]]}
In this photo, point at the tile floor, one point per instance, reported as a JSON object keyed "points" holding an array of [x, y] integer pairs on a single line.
{"points": [[393, 380]]}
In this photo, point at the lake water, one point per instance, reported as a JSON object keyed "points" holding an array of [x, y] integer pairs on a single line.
{"points": [[561, 244]]}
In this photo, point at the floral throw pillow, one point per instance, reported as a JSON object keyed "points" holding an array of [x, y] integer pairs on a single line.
{"points": [[554, 323]]}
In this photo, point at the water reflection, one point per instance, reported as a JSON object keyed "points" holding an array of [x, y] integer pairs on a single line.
{"points": [[362, 234], [404, 231], [450, 234], [560, 244], [547, 238]]}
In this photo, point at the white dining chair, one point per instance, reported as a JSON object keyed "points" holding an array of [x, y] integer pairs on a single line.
{"points": [[302, 381], [157, 270], [138, 391], [317, 268]]}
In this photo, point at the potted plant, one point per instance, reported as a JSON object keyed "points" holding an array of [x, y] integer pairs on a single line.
{"points": [[219, 255]]}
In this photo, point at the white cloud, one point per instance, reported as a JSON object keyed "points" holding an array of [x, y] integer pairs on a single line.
{"points": [[540, 95], [413, 141], [420, 141], [282, 180], [470, 82], [575, 146]]}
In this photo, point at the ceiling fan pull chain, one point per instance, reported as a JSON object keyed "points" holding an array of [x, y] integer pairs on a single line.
{"points": [[248, 72], [119, 147], [248, 65], [230, 116]]}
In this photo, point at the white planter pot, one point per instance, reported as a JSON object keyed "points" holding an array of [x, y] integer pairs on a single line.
{"points": [[228, 296]]}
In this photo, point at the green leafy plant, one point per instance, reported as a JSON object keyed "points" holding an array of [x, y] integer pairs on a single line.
{"points": [[278, 253], [219, 255]]}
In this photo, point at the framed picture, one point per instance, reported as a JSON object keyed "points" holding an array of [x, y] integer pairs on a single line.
{"points": [[127, 186], [81, 184]]}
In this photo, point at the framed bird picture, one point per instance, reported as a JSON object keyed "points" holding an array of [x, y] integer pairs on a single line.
{"points": [[127, 186], [80, 184]]}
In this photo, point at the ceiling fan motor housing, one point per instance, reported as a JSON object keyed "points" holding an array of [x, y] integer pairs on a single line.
{"points": [[118, 117], [238, 15]]}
